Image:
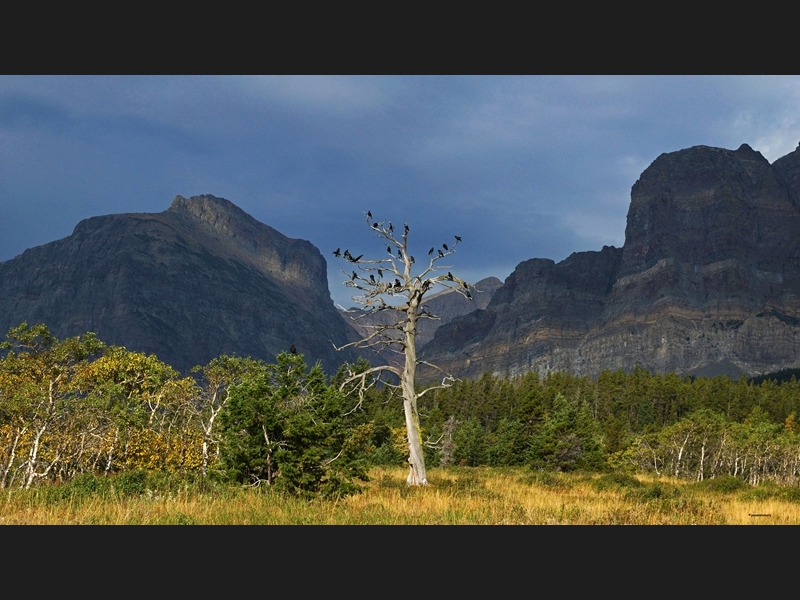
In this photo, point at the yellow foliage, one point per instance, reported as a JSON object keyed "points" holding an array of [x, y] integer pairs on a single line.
{"points": [[400, 441]]}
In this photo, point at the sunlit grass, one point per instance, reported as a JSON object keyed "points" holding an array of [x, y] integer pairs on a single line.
{"points": [[455, 496]]}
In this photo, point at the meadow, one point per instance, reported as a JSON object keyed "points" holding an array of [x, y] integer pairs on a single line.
{"points": [[456, 496]]}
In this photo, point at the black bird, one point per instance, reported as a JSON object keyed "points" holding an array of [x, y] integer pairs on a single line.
{"points": [[399, 253], [406, 227], [430, 251], [411, 258], [293, 350], [450, 276], [380, 273], [357, 258], [468, 295], [391, 227], [397, 283], [372, 278], [441, 254], [374, 225], [458, 239], [353, 278], [445, 246], [369, 214], [347, 255], [388, 249], [336, 253]]}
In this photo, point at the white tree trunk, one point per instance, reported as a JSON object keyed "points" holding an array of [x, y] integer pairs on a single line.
{"points": [[374, 290], [416, 460]]}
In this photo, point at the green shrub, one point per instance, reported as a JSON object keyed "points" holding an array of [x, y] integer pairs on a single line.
{"points": [[84, 485], [616, 480], [727, 484], [130, 483]]}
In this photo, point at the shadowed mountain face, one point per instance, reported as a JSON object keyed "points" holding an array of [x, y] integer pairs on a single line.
{"points": [[198, 280], [708, 282]]}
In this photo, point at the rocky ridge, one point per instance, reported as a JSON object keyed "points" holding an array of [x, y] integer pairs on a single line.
{"points": [[707, 282], [200, 279]]}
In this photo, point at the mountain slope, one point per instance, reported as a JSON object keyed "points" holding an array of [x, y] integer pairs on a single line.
{"points": [[200, 279], [707, 282]]}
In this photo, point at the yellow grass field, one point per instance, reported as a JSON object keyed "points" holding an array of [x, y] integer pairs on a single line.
{"points": [[479, 496]]}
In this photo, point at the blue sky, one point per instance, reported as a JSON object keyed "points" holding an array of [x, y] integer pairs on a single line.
{"points": [[519, 167]]}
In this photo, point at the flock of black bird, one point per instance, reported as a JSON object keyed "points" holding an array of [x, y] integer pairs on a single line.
{"points": [[354, 259]]}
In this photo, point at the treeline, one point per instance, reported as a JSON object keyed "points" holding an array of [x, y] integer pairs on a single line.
{"points": [[695, 428], [75, 406]]}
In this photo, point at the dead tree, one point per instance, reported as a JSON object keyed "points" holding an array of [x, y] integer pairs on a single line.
{"points": [[387, 284]]}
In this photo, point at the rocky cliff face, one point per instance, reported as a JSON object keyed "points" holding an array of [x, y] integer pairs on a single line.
{"points": [[708, 282], [200, 279]]}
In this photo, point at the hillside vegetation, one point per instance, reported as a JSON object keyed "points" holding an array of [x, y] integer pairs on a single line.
{"points": [[84, 423]]}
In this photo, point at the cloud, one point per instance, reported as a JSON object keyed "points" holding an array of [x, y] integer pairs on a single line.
{"points": [[520, 167], [345, 95]]}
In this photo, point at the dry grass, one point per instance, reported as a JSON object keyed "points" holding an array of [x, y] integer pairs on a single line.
{"points": [[456, 496]]}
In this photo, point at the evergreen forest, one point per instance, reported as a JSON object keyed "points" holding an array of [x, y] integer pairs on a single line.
{"points": [[79, 410]]}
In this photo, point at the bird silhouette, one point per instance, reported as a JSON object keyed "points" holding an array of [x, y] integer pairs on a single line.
{"points": [[430, 251], [369, 214], [293, 350], [372, 278], [445, 246], [458, 239], [388, 249], [337, 253], [441, 254], [353, 278], [380, 273], [411, 259], [357, 258], [374, 225]]}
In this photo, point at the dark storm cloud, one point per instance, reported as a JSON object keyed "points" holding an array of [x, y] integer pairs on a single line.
{"points": [[520, 167]]}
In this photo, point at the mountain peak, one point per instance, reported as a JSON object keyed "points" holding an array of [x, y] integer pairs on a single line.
{"points": [[216, 214], [707, 282], [202, 278]]}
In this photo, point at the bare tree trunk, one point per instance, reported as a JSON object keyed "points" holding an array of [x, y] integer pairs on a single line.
{"points": [[702, 460], [416, 460], [12, 456], [399, 264], [110, 456], [33, 455], [447, 443]]}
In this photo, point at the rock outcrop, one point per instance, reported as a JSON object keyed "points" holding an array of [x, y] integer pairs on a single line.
{"points": [[198, 280], [707, 282]]}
